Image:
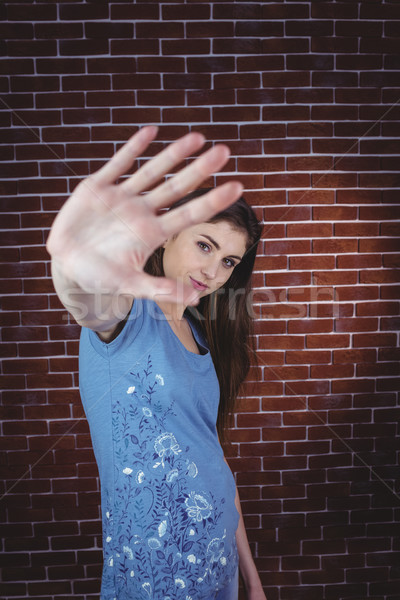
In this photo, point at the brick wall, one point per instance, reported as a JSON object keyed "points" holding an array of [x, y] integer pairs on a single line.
{"points": [[307, 95]]}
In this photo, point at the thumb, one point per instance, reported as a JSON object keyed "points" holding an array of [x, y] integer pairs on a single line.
{"points": [[161, 289]]}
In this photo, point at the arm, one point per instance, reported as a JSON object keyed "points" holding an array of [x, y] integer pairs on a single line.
{"points": [[95, 309], [248, 570], [90, 308]]}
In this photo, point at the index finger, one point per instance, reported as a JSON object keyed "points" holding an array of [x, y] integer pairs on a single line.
{"points": [[122, 160], [200, 209]]}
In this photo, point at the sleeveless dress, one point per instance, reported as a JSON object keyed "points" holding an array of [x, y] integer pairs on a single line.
{"points": [[167, 495]]}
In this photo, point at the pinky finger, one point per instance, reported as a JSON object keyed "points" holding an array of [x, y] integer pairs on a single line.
{"points": [[122, 160]]}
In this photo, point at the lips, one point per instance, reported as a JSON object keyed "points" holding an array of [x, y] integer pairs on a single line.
{"points": [[198, 285]]}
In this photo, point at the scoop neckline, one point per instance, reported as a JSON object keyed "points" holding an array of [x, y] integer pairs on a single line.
{"points": [[195, 334]]}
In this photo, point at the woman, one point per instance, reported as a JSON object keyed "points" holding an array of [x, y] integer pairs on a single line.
{"points": [[172, 525]]}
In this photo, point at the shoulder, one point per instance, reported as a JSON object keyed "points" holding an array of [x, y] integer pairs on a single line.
{"points": [[122, 335]]}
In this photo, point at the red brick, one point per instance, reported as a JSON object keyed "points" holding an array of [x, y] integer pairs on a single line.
{"points": [[190, 12], [390, 292], [281, 404], [311, 326], [72, 12], [45, 588], [390, 163], [32, 48], [133, 46], [336, 146], [239, 11], [380, 180], [334, 79], [313, 294], [25, 366], [381, 276], [236, 114], [210, 29], [80, 48], [224, 97], [260, 164], [313, 62], [285, 373], [132, 115], [60, 65], [287, 147], [160, 65], [185, 47], [109, 30], [359, 261], [310, 230], [73, 99], [352, 386], [299, 563], [319, 576], [328, 11], [86, 82], [285, 113], [267, 131], [187, 81], [307, 387], [334, 180], [272, 328], [281, 11], [272, 548], [377, 370], [71, 572], [319, 163], [279, 311], [134, 12], [288, 279], [327, 341], [186, 115], [311, 262], [288, 463], [311, 197], [390, 324], [58, 30], [307, 357], [158, 30], [283, 433]]}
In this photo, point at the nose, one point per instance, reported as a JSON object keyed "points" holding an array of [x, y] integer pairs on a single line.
{"points": [[210, 269]]}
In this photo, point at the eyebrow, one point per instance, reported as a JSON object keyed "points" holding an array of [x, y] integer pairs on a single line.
{"points": [[218, 247]]}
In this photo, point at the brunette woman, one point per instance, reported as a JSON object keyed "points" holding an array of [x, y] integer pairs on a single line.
{"points": [[162, 297]]}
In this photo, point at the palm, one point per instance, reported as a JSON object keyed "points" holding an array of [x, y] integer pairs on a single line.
{"points": [[105, 232]]}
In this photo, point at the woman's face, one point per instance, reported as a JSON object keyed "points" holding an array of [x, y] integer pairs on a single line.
{"points": [[203, 256]]}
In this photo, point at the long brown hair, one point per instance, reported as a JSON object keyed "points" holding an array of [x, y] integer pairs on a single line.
{"points": [[224, 316]]}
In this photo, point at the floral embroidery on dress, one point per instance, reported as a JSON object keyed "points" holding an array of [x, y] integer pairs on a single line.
{"points": [[162, 538]]}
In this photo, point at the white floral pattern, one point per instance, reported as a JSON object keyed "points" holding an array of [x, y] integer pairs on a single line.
{"points": [[197, 507], [161, 529]]}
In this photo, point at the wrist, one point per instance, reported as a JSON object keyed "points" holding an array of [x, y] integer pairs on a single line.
{"points": [[251, 580]]}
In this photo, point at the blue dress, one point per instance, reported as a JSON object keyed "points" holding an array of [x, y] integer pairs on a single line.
{"points": [[168, 511]]}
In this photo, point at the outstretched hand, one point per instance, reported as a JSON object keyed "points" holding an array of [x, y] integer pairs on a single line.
{"points": [[105, 232]]}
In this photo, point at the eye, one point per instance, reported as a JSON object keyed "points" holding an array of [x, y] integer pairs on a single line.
{"points": [[228, 263], [203, 246]]}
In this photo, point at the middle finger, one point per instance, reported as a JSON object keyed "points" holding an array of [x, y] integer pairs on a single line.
{"points": [[189, 178], [155, 168]]}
